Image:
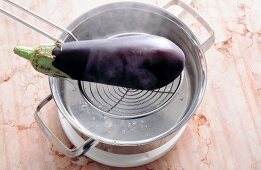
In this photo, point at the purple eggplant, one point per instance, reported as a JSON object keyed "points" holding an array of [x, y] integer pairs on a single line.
{"points": [[145, 62]]}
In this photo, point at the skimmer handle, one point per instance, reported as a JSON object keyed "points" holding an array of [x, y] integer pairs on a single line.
{"points": [[39, 30], [75, 152], [211, 38]]}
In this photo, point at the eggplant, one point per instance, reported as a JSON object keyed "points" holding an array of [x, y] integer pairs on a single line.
{"points": [[144, 62]]}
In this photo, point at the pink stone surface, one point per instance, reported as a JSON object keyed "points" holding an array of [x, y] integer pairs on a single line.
{"points": [[225, 132]]}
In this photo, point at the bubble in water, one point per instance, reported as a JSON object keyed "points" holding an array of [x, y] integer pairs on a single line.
{"points": [[83, 107], [134, 122], [108, 124], [123, 131]]}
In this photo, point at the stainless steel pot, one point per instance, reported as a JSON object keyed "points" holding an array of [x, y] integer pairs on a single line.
{"points": [[112, 115]]}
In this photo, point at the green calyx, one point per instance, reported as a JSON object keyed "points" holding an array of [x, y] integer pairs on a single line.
{"points": [[41, 59]]}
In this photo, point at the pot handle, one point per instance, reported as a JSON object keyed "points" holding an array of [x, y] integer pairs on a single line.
{"points": [[75, 152], [210, 40]]}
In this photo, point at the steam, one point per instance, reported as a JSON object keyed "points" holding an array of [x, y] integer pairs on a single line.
{"points": [[119, 18]]}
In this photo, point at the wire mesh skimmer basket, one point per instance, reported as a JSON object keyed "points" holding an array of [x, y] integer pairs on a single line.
{"points": [[127, 103]]}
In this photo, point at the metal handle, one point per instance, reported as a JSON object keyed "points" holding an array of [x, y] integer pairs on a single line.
{"points": [[210, 40], [75, 152], [39, 18]]}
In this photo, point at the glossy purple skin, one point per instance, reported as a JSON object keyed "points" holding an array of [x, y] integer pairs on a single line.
{"points": [[145, 62]]}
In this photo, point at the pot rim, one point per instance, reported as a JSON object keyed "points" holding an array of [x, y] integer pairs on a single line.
{"points": [[193, 106]]}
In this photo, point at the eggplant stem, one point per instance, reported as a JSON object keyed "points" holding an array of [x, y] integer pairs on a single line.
{"points": [[25, 52], [41, 59]]}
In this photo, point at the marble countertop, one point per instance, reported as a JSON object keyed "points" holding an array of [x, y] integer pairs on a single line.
{"points": [[225, 132]]}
